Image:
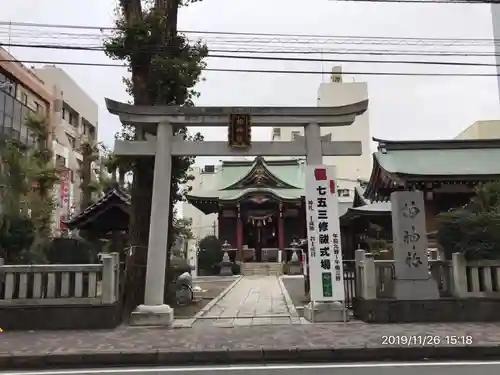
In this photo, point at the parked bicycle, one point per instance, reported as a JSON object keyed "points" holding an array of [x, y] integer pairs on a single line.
{"points": [[183, 290]]}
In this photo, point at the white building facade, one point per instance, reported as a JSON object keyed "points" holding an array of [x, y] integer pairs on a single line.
{"points": [[204, 180], [349, 168], [77, 121], [488, 129]]}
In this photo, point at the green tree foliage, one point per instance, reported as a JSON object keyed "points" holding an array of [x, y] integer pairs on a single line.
{"points": [[164, 66], [209, 253], [95, 179], [473, 230], [28, 176], [183, 227]]}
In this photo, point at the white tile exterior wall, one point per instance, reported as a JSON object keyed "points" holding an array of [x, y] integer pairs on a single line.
{"points": [[71, 93]]}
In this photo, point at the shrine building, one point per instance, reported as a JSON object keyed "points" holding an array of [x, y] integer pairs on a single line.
{"points": [[447, 171], [259, 206]]}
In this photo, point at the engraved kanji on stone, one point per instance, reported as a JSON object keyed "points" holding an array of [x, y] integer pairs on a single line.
{"points": [[413, 260]]}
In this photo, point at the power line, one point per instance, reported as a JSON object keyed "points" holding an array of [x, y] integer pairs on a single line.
{"points": [[345, 51], [269, 58], [303, 72], [299, 43], [272, 49], [469, 2], [291, 35]]}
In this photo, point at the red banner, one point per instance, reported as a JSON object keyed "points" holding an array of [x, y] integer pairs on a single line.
{"points": [[64, 195]]}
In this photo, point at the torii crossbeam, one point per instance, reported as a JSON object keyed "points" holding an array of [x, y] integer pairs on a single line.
{"points": [[158, 121]]}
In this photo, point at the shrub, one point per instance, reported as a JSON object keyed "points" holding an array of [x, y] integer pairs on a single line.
{"points": [[473, 230], [209, 254]]}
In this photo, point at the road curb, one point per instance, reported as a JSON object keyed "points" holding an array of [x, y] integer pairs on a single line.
{"points": [[207, 357]]}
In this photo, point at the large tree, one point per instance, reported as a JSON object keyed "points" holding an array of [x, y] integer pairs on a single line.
{"points": [[164, 68]]}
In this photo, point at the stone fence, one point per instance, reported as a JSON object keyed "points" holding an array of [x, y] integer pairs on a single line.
{"points": [[60, 284], [457, 278]]}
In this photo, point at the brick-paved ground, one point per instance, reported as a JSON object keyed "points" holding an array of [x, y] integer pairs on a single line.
{"points": [[313, 336]]}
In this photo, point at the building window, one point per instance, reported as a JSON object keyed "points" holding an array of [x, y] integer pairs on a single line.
{"points": [[343, 192], [295, 134], [24, 98], [38, 107], [7, 85], [60, 161], [72, 141], [73, 119], [70, 115]]}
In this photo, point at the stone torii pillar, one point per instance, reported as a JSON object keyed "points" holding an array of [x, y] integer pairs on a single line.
{"points": [[159, 120]]}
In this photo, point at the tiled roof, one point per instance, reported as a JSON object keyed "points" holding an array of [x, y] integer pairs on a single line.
{"points": [[112, 194]]}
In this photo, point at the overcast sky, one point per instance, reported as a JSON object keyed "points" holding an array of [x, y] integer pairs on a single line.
{"points": [[400, 107]]}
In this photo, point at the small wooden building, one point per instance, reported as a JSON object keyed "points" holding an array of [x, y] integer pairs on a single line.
{"points": [[447, 171], [363, 223], [108, 214]]}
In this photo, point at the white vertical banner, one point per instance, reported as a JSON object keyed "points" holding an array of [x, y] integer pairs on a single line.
{"points": [[326, 273]]}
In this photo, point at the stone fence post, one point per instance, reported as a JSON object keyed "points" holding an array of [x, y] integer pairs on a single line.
{"points": [[369, 277], [109, 266], [366, 285], [459, 273], [359, 258], [116, 261]]}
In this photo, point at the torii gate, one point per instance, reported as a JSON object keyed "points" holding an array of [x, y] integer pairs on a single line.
{"points": [[160, 119]]}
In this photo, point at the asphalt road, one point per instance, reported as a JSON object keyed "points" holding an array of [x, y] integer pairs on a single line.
{"points": [[428, 368]]}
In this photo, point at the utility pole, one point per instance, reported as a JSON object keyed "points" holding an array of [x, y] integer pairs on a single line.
{"points": [[214, 226]]}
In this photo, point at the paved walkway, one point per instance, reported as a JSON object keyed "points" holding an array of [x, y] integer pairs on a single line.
{"points": [[254, 300]]}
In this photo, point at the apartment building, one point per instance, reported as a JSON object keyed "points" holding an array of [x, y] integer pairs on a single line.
{"points": [[22, 93], [349, 168], [77, 121], [71, 115]]}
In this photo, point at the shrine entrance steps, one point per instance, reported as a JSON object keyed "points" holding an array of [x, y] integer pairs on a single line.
{"points": [[261, 269]]}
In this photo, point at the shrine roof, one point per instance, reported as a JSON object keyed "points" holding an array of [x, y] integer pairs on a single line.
{"points": [[364, 207], [289, 171], [439, 157], [97, 214], [397, 163], [281, 179]]}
